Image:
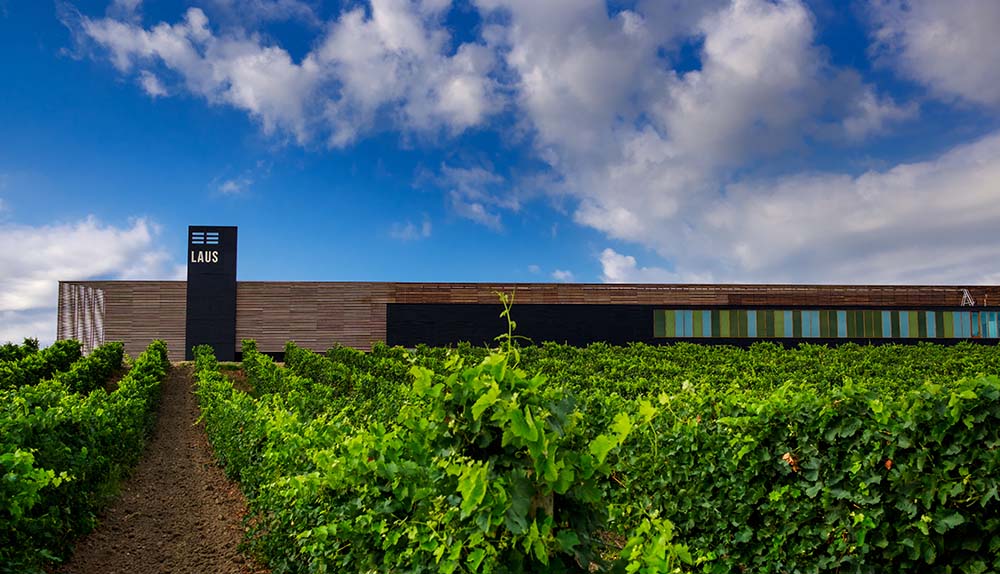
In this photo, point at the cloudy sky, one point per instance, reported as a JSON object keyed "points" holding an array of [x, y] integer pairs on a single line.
{"points": [[804, 141]]}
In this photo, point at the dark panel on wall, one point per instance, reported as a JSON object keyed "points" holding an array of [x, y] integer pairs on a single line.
{"points": [[449, 323], [436, 324], [211, 290]]}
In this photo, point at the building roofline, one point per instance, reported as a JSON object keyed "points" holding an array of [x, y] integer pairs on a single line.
{"points": [[703, 286]]}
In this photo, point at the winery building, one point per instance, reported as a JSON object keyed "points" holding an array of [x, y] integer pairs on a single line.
{"points": [[213, 308]]}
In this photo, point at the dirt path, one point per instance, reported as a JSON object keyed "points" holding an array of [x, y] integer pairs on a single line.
{"points": [[178, 513]]}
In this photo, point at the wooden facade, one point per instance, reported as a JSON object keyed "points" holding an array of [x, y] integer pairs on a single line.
{"points": [[318, 314], [135, 312]]}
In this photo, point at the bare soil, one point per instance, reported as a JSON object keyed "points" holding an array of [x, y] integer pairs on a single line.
{"points": [[177, 513], [111, 385], [239, 380]]}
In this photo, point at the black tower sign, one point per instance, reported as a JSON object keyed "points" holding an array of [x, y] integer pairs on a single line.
{"points": [[211, 291]]}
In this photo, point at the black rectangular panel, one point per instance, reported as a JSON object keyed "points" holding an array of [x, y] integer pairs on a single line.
{"points": [[436, 324], [211, 291]]}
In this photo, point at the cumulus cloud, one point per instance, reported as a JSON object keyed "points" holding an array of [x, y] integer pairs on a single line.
{"points": [[757, 84], [562, 276], [650, 152], [949, 47], [478, 194], [125, 9], [645, 150], [253, 12], [397, 56], [395, 62], [410, 231], [239, 71], [151, 84], [638, 143], [926, 222], [86, 249], [619, 268], [871, 114], [576, 69]]}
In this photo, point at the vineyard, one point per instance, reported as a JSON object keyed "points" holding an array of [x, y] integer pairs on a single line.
{"points": [[548, 458], [66, 440], [622, 459]]}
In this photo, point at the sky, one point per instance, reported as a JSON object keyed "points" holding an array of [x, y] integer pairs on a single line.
{"points": [[758, 141]]}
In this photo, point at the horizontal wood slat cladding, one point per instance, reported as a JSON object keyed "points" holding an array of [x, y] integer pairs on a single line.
{"points": [[317, 315], [137, 312]]}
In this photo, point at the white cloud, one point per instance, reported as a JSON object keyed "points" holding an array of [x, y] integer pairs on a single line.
{"points": [[478, 194], [410, 231], [871, 114], [562, 276], [666, 158], [576, 68], [648, 151], [758, 83], [252, 12], [397, 57], [475, 211], [151, 84], [235, 186], [85, 249], [638, 144], [927, 222], [620, 268], [239, 184], [950, 47], [125, 9], [15, 326], [396, 64], [534, 269], [238, 71]]}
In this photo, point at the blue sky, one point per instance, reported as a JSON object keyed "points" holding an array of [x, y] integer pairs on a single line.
{"points": [[499, 140]]}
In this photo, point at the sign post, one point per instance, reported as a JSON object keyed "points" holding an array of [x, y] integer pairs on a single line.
{"points": [[211, 291]]}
